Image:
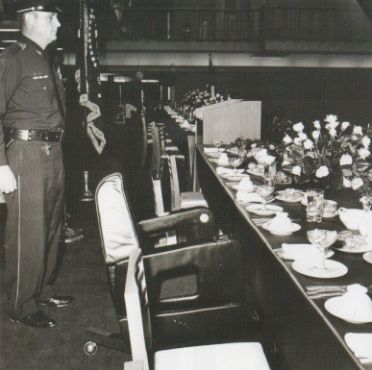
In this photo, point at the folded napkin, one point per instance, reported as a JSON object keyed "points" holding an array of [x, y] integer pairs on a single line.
{"points": [[245, 184], [300, 252], [230, 171], [223, 160], [360, 344], [243, 196]]}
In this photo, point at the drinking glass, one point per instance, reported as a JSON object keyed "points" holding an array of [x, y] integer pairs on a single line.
{"points": [[314, 205], [266, 190], [218, 144], [322, 239], [235, 161]]}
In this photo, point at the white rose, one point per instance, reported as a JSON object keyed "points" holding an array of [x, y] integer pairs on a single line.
{"points": [[331, 125], [366, 141], [272, 147], [253, 145], [316, 124], [363, 153], [358, 130], [296, 170], [346, 159], [346, 182], [332, 132], [356, 183], [302, 136], [345, 125], [308, 144], [298, 127], [322, 171], [330, 118], [315, 134], [287, 139], [297, 141]]}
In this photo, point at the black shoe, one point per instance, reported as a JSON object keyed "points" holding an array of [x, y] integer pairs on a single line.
{"points": [[36, 320], [57, 301]]}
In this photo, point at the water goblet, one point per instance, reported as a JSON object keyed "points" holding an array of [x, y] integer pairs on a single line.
{"points": [[235, 161], [322, 239], [218, 144]]}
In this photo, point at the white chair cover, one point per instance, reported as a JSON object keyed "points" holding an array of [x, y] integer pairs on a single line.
{"points": [[118, 234]]}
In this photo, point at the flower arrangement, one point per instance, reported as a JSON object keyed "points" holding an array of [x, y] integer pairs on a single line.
{"points": [[329, 148], [198, 98]]}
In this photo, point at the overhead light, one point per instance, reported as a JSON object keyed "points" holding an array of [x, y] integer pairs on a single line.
{"points": [[150, 81]]}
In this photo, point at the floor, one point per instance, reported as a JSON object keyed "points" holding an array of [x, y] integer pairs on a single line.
{"points": [[83, 275]]}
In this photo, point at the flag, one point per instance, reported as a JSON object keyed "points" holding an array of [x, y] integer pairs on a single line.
{"points": [[87, 76]]}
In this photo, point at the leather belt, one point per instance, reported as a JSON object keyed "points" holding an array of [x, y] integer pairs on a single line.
{"points": [[36, 135]]}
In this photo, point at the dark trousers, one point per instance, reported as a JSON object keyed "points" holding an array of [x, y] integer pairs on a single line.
{"points": [[34, 223]]}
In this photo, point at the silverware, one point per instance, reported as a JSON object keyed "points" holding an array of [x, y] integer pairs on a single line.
{"points": [[328, 288], [324, 291], [325, 295]]}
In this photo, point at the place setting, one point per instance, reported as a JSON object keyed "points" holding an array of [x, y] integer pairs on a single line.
{"points": [[320, 266]]}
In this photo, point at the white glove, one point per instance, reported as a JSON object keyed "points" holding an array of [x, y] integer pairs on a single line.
{"points": [[8, 182]]}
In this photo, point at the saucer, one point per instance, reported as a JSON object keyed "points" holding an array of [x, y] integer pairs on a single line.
{"points": [[234, 177], [290, 195], [288, 199], [355, 250], [333, 269], [238, 188], [262, 210], [335, 307], [367, 257], [327, 215], [212, 155], [255, 172], [302, 253], [295, 227]]}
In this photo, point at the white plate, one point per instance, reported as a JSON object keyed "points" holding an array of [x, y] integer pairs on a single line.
{"points": [[295, 227], [334, 307], [280, 253], [352, 250], [262, 210], [367, 257], [213, 155], [333, 269], [255, 172], [330, 215], [236, 177], [237, 188], [288, 199]]}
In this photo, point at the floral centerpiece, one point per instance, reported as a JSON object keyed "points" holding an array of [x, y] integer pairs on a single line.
{"points": [[199, 98], [330, 152]]}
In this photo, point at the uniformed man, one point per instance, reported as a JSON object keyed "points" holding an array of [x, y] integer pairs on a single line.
{"points": [[31, 168]]}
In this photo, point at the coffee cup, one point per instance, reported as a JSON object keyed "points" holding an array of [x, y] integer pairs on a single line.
{"points": [[329, 208]]}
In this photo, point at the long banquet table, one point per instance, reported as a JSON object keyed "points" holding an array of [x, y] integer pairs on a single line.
{"points": [[304, 334]]}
